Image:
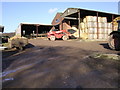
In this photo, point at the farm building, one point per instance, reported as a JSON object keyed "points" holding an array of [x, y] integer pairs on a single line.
{"points": [[1, 29], [29, 30], [87, 24], [93, 24]]}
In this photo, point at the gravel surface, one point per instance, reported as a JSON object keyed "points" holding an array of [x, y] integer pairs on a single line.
{"points": [[60, 64]]}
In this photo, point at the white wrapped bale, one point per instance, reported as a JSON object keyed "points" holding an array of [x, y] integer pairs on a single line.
{"points": [[101, 25], [89, 18], [95, 30], [104, 19], [91, 24], [105, 25], [105, 30], [94, 18], [99, 19], [90, 36], [95, 36], [101, 36], [100, 30], [84, 20], [82, 25], [86, 30], [92, 30], [109, 25]]}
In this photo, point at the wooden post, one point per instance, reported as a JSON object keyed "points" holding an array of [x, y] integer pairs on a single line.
{"points": [[68, 22], [37, 31], [79, 22], [62, 24], [97, 27], [112, 22]]}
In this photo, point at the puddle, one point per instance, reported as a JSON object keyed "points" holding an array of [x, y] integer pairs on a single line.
{"points": [[12, 71], [7, 79], [22, 67]]}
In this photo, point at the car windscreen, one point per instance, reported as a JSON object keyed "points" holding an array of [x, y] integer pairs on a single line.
{"points": [[71, 31], [55, 30]]}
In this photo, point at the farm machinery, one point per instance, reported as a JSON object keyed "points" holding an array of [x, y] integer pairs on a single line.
{"points": [[58, 34], [114, 40]]}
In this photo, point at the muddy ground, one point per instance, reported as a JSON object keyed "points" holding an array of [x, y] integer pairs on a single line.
{"points": [[60, 64]]}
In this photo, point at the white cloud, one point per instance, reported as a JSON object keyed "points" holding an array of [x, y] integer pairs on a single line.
{"points": [[52, 10]]}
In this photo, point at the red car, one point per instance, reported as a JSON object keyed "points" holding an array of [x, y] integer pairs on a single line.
{"points": [[57, 34]]}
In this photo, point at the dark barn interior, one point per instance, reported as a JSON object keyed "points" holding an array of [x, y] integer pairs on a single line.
{"points": [[28, 30]]}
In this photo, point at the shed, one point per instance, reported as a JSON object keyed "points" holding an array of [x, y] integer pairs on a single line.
{"points": [[1, 28], [28, 30]]}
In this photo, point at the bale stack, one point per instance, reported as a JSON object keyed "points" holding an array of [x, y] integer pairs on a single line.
{"points": [[89, 26]]}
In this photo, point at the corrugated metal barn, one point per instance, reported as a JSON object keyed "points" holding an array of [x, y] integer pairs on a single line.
{"points": [[95, 24]]}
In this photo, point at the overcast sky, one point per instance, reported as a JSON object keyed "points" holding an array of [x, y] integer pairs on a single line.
{"points": [[14, 13]]}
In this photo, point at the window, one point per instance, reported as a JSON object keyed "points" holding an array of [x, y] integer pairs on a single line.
{"points": [[57, 20]]}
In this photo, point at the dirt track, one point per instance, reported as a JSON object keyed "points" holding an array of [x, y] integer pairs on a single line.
{"points": [[60, 64]]}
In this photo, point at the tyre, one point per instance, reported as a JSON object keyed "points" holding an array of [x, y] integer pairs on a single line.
{"points": [[65, 37], [114, 43], [48, 38], [52, 38], [20, 48]]}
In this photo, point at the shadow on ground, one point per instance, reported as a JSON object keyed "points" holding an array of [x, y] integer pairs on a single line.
{"points": [[60, 67], [105, 45], [6, 54]]}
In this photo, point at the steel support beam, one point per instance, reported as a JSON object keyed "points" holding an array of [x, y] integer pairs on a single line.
{"points": [[97, 27], [72, 18]]}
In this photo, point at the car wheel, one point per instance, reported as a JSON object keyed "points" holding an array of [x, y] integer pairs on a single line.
{"points": [[52, 38], [114, 43], [65, 37]]}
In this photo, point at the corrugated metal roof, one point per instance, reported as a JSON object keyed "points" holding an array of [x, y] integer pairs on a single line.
{"points": [[35, 24], [77, 9], [94, 11]]}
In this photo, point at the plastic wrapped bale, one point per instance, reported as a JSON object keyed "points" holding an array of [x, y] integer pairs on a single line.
{"points": [[18, 42], [104, 19]]}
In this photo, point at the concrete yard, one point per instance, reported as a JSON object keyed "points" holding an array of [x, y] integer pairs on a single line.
{"points": [[61, 64]]}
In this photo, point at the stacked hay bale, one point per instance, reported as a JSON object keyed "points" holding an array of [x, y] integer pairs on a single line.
{"points": [[83, 35], [89, 26]]}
